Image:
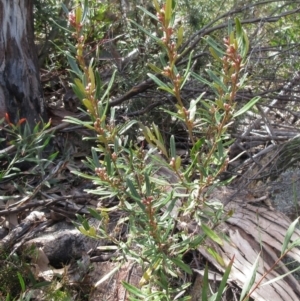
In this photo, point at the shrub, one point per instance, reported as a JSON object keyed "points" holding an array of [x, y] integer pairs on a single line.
{"points": [[155, 191]]}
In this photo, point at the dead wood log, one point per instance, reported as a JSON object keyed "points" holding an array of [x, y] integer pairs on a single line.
{"points": [[28, 223], [257, 231]]}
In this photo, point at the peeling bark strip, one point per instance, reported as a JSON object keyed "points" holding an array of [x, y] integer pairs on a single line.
{"points": [[20, 88]]}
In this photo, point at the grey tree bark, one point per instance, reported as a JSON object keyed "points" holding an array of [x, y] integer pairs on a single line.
{"points": [[21, 93]]}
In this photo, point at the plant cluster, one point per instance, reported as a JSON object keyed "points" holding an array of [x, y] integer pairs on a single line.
{"points": [[24, 147], [154, 189], [15, 277]]}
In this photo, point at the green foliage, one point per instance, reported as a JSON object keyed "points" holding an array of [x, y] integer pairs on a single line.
{"points": [[151, 196], [26, 147], [46, 15], [219, 294], [9, 279], [44, 12], [15, 278], [18, 283]]}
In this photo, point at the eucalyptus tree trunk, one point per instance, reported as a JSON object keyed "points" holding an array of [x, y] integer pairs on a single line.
{"points": [[20, 87]]}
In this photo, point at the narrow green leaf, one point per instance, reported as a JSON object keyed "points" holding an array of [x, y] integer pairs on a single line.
{"points": [[197, 146], [61, 27], [280, 277], [174, 114], [133, 193], [246, 46], [117, 143], [191, 167], [73, 64], [95, 214], [238, 28], [155, 68], [288, 235], [167, 213], [95, 157], [134, 290], [87, 124], [128, 205], [162, 59], [156, 4], [158, 81], [220, 150], [111, 82], [85, 10], [201, 79], [154, 265], [89, 106], [157, 132], [170, 91], [218, 117], [232, 38], [91, 76], [163, 201], [81, 95], [212, 234], [243, 79], [178, 163], [182, 265], [179, 36], [168, 12], [243, 41], [159, 141], [205, 286], [65, 9], [217, 47], [112, 115], [21, 281], [214, 54], [172, 146], [78, 14], [98, 85], [217, 80], [250, 279], [223, 283], [148, 185], [216, 256], [150, 134], [147, 12], [161, 147], [125, 127], [192, 110], [79, 85], [294, 244], [247, 106], [53, 156], [85, 224], [41, 284], [147, 133], [108, 165], [187, 71]]}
